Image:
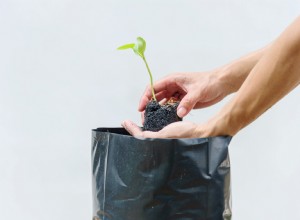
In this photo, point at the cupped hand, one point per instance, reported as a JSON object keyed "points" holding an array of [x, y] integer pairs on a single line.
{"points": [[195, 90], [182, 129], [216, 126]]}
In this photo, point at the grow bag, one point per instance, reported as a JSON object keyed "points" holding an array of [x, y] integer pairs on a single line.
{"points": [[153, 179]]}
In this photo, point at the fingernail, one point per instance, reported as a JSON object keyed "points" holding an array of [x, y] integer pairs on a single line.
{"points": [[181, 112]]}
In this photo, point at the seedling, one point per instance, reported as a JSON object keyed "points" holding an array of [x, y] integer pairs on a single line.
{"points": [[139, 48]]}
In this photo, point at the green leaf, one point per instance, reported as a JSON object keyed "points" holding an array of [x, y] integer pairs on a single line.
{"points": [[140, 47], [126, 46]]}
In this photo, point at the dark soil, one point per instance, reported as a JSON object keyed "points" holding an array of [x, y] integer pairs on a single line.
{"points": [[159, 116]]}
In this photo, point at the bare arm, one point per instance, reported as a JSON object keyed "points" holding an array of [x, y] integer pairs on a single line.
{"points": [[235, 73], [274, 76], [202, 89]]}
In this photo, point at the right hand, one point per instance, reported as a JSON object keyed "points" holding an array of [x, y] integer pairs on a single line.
{"points": [[194, 90]]}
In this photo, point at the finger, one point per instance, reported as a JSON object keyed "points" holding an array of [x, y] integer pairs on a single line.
{"points": [[166, 84], [132, 128], [159, 97], [163, 101], [137, 132], [143, 103], [162, 95], [165, 94], [143, 117], [186, 105]]}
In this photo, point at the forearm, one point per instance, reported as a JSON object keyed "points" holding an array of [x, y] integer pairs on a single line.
{"points": [[233, 75], [275, 75]]}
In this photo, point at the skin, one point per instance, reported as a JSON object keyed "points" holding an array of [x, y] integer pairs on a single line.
{"points": [[259, 79]]}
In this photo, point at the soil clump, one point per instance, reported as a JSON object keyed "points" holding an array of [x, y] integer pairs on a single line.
{"points": [[159, 116]]}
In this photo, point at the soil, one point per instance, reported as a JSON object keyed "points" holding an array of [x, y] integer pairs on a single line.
{"points": [[159, 116]]}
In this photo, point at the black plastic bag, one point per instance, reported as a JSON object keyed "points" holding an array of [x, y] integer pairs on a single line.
{"points": [[153, 179]]}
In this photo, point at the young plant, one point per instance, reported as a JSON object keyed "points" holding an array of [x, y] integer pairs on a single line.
{"points": [[139, 48]]}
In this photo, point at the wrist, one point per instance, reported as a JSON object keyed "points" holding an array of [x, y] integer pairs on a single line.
{"points": [[220, 125], [230, 119], [226, 78], [233, 75]]}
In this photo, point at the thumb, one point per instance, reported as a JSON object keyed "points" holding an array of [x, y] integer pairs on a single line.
{"points": [[186, 105]]}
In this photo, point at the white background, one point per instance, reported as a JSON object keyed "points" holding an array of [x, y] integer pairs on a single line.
{"points": [[61, 76]]}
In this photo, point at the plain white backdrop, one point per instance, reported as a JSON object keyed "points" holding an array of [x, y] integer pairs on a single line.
{"points": [[61, 76]]}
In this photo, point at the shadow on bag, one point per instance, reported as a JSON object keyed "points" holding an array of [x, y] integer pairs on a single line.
{"points": [[159, 179]]}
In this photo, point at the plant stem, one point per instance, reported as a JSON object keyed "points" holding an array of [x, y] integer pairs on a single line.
{"points": [[151, 79]]}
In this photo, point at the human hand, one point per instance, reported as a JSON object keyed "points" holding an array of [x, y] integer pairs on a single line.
{"points": [[216, 126], [175, 130], [195, 90]]}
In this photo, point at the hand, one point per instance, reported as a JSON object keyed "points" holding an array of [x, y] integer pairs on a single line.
{"points": [[175, 130], [216, 126], [195, 90]]}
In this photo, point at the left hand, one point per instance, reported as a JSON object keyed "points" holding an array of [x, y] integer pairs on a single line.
{"points": [[182, 129]]}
